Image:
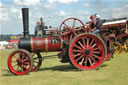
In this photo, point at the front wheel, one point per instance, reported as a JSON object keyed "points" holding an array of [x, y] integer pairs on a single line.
{"points": [[20, 62]]}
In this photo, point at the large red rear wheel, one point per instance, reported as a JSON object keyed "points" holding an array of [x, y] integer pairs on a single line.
{"points": [[87, 51], [70, 28], [20, 62]]}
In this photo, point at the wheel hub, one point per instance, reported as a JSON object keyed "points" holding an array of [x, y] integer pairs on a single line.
{"points": [[87, 51], [19, 62]]}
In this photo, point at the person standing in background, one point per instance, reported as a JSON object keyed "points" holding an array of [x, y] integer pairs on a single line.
{"points": [[37, 29], [42, 26]]}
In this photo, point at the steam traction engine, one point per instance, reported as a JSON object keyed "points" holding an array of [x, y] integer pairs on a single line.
{"points": [[76, 45], [119, 27]]}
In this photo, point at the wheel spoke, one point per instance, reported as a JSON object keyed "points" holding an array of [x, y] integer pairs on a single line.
{"points": [[25, 59], [93, 59], [96, 56], [73, 24], [82, 61], [96, 48], [86, 61], [77, 47], [90, 61], [24, 67], [16, 57], [77, 51], [18, 67], [84, 42], [80, 57], [35, 62], [81, 44], [92, 42], [78, 54], [15, 65], [67, 26], [94, 45], [14, 61], [80, 28], [87, 42], [28, 63], [65, 33], [97, 52], [75, 33], [23, 56]]}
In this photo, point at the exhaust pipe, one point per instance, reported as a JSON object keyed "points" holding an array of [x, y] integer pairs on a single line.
{"points": [[25, 16]]}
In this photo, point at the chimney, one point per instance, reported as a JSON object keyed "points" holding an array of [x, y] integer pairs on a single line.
{"points": [[25, 16]]}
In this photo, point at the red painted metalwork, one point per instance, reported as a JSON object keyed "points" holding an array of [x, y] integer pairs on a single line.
{"points": [[20, 62], [45, 44], [84, 50], [122, 35], [68, 32], [87, 51]]}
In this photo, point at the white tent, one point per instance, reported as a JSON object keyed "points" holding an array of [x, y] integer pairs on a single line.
{"points": [[3, 44]]}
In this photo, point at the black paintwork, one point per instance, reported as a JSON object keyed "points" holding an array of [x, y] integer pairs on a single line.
{"points": [[25, 15], [25, 43]]}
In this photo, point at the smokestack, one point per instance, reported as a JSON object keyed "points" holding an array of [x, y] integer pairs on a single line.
{"points": [[25, 15]]}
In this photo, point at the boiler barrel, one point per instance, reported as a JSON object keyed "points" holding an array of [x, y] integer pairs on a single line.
{"points": [[42, 44]]}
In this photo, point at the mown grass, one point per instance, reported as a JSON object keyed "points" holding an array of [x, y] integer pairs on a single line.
{"points": [[53, 72]]}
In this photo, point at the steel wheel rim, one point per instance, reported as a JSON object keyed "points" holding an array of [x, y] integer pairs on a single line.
{"points": [[86, 61], [22, 66]]}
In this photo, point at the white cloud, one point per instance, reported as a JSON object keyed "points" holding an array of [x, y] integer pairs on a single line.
{"points": [[1, 4], [3, 13], [120, 12], [83, 12], [62, 13], [16, 12], [86, 5], [26, 2], [51, 4], [63, 1], [105, 10]]}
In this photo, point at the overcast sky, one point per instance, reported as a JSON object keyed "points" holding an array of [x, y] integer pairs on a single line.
{"points": [[55, 11]]}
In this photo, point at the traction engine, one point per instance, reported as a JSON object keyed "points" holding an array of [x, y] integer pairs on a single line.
{"points": [[119, 27], [75, 44]]}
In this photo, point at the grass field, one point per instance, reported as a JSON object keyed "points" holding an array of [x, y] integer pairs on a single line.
{"points": [[53, 72]]}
